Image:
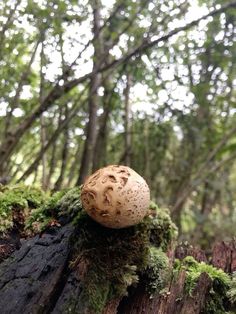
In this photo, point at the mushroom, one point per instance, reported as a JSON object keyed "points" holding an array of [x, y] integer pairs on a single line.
{"points": [[116, 197]]}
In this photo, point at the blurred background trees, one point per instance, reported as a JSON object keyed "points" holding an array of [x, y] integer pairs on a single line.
{"points": [[149, 84]]}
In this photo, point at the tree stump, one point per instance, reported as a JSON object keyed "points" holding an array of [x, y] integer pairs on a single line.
{"points": [[84, 268]]}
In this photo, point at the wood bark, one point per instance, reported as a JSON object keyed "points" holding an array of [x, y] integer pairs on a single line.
{"points": [[37, 278]]}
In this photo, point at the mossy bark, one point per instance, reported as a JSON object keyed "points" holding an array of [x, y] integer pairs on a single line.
{"points": [[74, 265]]}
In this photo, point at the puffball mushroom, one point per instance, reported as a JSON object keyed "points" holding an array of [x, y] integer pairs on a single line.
{"points": [[116, 197]]}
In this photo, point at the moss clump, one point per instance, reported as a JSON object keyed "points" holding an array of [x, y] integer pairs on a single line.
{"points": [[194, 269], [66, 202], [163, 230], [115, 259], [18, 198], [232, 288], [157, 270], [221, 282], [70, 204]]}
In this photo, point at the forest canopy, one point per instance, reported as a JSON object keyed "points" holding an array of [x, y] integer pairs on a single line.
{"points": [[148, 84]]}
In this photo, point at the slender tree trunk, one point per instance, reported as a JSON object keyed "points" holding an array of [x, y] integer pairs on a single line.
{"points": [[64, 156], [44, 157], [128, 152], [93, 99], [72, 173], [147, 168], [99, 156], [42, 118], [52, 165]]}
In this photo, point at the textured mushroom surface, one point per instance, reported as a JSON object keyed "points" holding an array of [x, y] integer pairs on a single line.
{"points": [[116, 196]]}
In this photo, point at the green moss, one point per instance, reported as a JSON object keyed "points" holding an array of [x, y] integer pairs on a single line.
{"points": [[117, 259], [163, 230], [21, 198], [232, 288], [66, 202], [194, 269], [113, 259], [70, 203], [113, 256], [221, 283], [41, 216], [157, 270]]}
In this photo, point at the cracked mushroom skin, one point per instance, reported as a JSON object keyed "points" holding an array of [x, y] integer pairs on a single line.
{"points": [[116, 197]]}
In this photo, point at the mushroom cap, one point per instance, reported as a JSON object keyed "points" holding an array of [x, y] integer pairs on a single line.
{"points": [[116, 196]]}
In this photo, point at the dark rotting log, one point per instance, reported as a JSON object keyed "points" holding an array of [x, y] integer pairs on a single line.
{"points": [[37, 278], [32, 278]]}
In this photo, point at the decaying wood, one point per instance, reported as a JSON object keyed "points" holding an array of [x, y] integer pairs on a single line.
{"points": [[37, 278]]}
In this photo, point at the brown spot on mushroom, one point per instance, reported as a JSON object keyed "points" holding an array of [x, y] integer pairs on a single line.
{"points": [[112, 178], [107, 195], [91, 195], [123, 181]]}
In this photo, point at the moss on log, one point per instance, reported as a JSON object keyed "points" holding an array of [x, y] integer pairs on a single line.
{"points": [[67, 263]]}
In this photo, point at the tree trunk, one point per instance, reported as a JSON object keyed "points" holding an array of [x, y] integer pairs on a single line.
{"points": [[147, 148], [42, 118], [52, 165], [38, 278], [99, 156], [64, 156], [127, 159], [91, 128]]}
